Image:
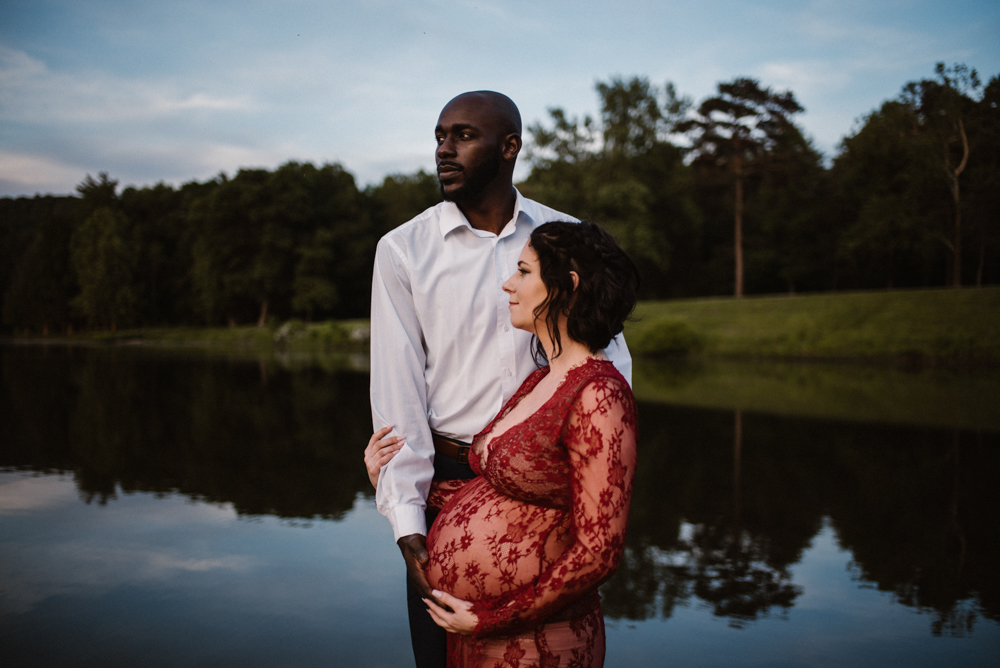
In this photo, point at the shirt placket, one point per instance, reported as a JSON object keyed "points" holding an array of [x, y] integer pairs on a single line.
{"points": [[505, 334]]}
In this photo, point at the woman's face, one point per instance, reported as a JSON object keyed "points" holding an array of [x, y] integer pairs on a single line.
{"points": [[526, 291]]}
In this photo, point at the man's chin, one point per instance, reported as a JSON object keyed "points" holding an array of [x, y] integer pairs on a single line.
{"points": [[452, 193]]}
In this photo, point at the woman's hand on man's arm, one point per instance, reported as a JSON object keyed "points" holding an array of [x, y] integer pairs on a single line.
{"points": [[381, 448]]}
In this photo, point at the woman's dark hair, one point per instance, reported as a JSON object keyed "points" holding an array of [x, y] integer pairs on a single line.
{"points": [[597, 309]]}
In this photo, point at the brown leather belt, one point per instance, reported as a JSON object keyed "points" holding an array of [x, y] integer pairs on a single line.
{"points": [[449, 447]]}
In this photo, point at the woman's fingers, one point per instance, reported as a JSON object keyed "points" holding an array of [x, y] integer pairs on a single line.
{"points": [[447, 599], [384, 450], [387, 454], [380, 450], [375, 447], [459, 619], [441, 617], [378, 436]]}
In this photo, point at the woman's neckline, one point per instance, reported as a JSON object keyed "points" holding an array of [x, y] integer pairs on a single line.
{"points": [[487, 444]]}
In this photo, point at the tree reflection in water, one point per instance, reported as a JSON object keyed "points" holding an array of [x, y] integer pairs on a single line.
{"points": [[725, 502], [268, 440]]}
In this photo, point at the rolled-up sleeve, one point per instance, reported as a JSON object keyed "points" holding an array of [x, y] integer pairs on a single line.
{"points": [[399, 393]]}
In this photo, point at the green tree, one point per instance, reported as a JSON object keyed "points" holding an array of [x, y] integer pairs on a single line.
{"points": [[163, 255], [917, 180], [632, 180], [244, 251], [253, 251], [97, 193], [632, 121], [795, 243], [37, 291], [982, 199], [399, 198], [731, 130], [313, 288], [104, 263], [942, 107]]}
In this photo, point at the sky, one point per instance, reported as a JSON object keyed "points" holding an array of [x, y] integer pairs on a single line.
{"points": [[176, 91]]}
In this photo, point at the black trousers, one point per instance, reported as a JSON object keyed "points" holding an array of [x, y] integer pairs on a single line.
{"points": [[430, 644]]}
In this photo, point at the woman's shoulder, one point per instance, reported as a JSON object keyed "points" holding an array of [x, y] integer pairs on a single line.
{"points": [[599, 376], [597, 368]]}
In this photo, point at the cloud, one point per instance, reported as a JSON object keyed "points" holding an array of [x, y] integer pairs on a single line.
{"points": [[63, 558], [37, 173], [149, 93], [93, 570], [804, 78], [19, 495], [31, 93]]}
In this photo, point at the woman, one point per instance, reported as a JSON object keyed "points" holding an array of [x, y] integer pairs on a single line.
{"points": [[518, 553]]}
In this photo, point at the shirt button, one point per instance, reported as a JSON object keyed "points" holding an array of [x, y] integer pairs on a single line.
{"points": [[508, 372], [506, 328]]}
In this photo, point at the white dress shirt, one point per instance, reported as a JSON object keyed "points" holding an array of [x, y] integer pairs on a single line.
{"points": [[444, 355]]}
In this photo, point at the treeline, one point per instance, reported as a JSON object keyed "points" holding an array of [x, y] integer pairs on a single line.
{"points": [[299, 240], [730, 196], [725, 197]]}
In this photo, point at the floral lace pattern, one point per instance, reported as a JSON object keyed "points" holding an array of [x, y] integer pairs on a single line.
{"points": [[531, 539]]}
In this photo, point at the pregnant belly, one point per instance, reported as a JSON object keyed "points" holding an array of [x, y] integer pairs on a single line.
{"points": [[484, 543]]}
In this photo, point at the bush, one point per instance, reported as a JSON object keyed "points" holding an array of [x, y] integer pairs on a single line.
{"points": [[664, 336]]}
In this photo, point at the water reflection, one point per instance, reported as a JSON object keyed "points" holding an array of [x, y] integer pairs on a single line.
{"points": [[255, 434], [726, 502]]}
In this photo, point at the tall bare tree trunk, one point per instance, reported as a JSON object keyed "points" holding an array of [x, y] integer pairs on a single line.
{"points": [[956, 280], [982, 261], [738, 225], [262, 320]]}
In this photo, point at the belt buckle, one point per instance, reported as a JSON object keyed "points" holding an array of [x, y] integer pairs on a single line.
{"points": [[463, 454]]}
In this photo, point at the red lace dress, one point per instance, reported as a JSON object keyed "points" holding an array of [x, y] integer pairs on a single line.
{"points": [[531, 539]]}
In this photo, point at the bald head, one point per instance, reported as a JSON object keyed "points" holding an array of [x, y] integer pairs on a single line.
{"points": [[500, 108], [478, 139]]}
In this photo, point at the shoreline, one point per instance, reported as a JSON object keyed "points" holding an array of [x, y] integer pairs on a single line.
{"points": [[906, 329]]}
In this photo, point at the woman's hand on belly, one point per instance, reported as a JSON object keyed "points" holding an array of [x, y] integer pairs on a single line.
{"points": [[460, 619]]}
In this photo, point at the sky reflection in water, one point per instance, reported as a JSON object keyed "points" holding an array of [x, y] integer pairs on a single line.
{"points": [[838, 543]]}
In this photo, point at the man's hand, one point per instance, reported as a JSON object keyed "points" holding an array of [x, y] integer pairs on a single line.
{"points": [[380, 450], [414, 549]]}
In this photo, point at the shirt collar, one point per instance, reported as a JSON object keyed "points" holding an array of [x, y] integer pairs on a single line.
{"points": [[452, 217]]}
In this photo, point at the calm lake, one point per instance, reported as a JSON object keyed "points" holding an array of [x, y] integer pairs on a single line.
{"points": [[178, 508]]}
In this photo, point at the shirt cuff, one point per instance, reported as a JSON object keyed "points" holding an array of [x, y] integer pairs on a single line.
{"points": [[406, 520]]}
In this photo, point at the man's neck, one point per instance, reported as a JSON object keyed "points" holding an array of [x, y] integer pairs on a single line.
{"points": [[492, 211]]}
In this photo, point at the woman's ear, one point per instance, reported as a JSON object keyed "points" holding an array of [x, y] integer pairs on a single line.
{"points": [[576, 279]]}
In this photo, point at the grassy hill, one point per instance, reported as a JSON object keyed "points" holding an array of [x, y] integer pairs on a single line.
{"points": [[943, 325]]}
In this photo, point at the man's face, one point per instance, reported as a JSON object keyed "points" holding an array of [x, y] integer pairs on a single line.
{"points": [[469, 149]]}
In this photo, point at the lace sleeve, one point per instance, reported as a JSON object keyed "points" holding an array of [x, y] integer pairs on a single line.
{"points": [[600, 437]]}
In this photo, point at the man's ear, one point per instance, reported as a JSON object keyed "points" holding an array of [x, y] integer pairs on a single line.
{"points": [[576, 279], [511, 146]]}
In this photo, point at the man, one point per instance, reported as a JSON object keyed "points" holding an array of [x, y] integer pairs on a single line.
{"points": [[444, 356]]}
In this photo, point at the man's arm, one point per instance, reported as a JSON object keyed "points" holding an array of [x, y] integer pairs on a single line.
{"points": [[398, 393], [399, 397]]}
